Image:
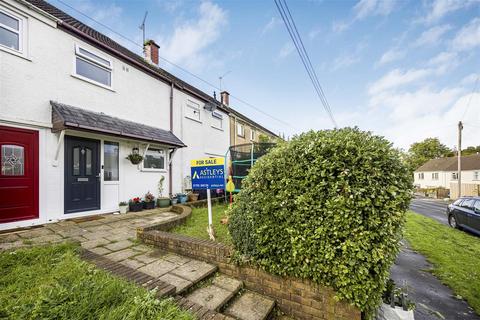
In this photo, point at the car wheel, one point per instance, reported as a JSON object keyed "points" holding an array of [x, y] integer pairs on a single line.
{"points": [[452, 221]]}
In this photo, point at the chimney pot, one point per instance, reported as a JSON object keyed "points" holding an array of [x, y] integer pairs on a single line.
{"points": [[151, 51], [225, 96]]}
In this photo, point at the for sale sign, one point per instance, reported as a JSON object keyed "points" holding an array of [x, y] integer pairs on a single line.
{"points": [[208, 173]]}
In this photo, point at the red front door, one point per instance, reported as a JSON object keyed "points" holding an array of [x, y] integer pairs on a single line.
{"points": [[19, 174]]}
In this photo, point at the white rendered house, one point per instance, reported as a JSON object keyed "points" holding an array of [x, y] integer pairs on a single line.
{"points": [[74, 104]]}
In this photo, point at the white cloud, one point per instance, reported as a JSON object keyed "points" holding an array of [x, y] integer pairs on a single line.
{"points": [[286, 50], [440, 8], [345, 61], [433, 35], [271, 24], [314, 33], [190, 40], [391, 55], [396, 78], [444, 61], [366, 8], [470, 79], [340, 26], [468, 37]]}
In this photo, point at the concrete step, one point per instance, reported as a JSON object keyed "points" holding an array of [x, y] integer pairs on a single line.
{"points": [[215, 295], [188, 274], [250, 306]]}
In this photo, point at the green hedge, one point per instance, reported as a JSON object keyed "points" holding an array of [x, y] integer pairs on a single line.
{"points": [[328, 206]]}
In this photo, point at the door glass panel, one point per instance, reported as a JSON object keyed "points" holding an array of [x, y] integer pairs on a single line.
{"points": [[76, 161], [110, 159], [88, 161], [13, 161]]}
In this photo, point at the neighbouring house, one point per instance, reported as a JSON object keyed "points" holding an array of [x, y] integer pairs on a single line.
{"points": [[74, 104], [242, 129], [442, 173]]}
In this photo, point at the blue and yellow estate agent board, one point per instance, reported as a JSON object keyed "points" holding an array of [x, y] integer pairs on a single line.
{"points": [[208, 173]]}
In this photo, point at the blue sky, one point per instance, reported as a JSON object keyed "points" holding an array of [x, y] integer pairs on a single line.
{"points": [[406, 70]]}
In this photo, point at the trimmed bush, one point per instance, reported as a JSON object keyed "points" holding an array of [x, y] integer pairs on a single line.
{"points": [[328, 206]]}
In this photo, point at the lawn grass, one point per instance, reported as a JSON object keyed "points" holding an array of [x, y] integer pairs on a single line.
{"points": [[196, 225], [51, 282], [455, 255]]}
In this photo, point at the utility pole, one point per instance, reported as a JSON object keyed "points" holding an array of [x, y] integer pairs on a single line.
{"points": [[459, 159]]}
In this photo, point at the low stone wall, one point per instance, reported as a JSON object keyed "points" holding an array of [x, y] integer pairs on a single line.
{"points": [[299, 298], [183, 213]]}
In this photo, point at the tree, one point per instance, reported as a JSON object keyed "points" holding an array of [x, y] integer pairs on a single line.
{"points": [[470, 150], [430, 148]]}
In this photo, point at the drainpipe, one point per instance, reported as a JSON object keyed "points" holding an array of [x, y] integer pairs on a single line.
{"points": [[170, 175]]}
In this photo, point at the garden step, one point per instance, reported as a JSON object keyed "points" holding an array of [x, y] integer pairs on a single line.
{"points": [[250, 306], [217, 294]]}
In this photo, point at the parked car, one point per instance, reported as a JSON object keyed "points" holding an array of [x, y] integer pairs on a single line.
{"points": [[465, 214]]}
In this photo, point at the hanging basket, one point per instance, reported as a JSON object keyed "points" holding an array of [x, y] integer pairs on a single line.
{"points": [[135, 158]]}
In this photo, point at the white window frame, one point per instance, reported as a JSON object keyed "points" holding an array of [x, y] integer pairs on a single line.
{"points": [[476, 175], [252, 134], [219, 116], [434, 175], [454, 175], [421, 176], [165, 162], [97, 63], [196, 110], [20, 32], [242, 126]]}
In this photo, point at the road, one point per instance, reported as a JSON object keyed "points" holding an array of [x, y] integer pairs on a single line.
{"points": [[434, 301]]}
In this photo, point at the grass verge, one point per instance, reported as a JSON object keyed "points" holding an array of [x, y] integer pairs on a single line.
{"points": [[196, 225], [51, 282], [454, 254]]}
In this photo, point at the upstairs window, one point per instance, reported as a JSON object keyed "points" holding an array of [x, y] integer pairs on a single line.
{"points": [[10, 31], [252, 134], [434, 175], [476, 175], [217, 120], [192, 110], [421, 176], [240, 130], [92, 67], [454, 175]]}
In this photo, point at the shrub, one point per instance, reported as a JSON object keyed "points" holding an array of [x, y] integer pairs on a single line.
{"points": [[327, 206]]}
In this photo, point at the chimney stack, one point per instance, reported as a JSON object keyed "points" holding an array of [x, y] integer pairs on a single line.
{"points": [[151, 51], [225, 97]]}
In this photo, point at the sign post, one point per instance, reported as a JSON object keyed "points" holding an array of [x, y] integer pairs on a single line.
{"points": [[208, 173]]}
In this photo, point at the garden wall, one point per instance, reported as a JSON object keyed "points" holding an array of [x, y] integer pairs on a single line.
{"points": [[299, 298]]}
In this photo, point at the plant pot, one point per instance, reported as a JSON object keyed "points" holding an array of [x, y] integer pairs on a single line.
{"points": [[193, 196], [387, 312], [136, 206], [149, 205], [163, 202], [182, 198], [123, 209], [174, 201]]}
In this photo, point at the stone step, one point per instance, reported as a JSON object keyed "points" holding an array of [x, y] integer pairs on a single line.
{"points": [[250, 306], [217, 294], [189, 274]]}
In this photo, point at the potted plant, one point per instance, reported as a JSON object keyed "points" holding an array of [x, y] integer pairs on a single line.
{"points": [[162, 202], [149, 201], [123, 207], [174, 200], [135, 158], [135, 204], [192, 196], [396, 304], [182, 197]]}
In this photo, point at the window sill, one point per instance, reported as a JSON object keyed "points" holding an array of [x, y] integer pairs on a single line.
{"points": [[217, 128], [153, 170], [92, 82], [193, 119], [15, 53]]}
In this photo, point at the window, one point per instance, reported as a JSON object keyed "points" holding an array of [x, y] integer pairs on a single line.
{"points": [[454, 175], [192, 110], [252, 135], [154, 159], [476, 206], [93, 67], [76, 161], [434, 175], [12, 160], [476, 175], [110, 161], [421, 176], [217, 120], [468, 203], [10, 31], [458, 202], [240, 130], [88, 161]]}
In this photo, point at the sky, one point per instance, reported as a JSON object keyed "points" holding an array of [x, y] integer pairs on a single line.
{"points": [[406, 70]]}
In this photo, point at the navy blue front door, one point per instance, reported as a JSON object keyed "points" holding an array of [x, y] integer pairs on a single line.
{"points": [[82, 174]]}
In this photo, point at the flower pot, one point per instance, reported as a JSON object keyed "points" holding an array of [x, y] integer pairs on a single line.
{"points": [[149, 205], [182, 198], [163, 202], [174, 201], [123, 209], [135, 206], [193, 196]]}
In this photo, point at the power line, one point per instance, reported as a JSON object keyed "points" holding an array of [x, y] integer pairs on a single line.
{"points": [[470, 98], [297, 41], [179, 67]]}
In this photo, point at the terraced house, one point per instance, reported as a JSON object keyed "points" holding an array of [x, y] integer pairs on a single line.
{"points": [[74, 104]]}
